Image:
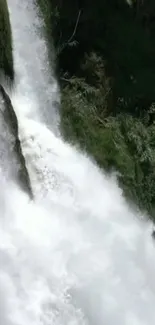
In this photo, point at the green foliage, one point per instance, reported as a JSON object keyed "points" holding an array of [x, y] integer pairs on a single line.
{"points": [[122, 35], [6, 56], [105, 51], [123, 143]]}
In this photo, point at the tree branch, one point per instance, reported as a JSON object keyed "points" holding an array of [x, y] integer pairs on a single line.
{"points": [[75, 28], [74, 32]]}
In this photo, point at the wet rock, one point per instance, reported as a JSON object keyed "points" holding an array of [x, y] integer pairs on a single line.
{"points": [[153, 234], [12, 161], [6, 53]]}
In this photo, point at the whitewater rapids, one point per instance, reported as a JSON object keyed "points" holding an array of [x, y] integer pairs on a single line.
{"points": [[78, 254]]}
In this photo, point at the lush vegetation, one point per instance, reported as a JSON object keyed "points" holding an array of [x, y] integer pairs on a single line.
{"points": [[6, 56], [106, 63]]}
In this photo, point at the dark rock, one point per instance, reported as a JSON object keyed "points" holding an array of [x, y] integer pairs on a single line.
{"points": [[153, 234], [12, 161], [6, 53]]}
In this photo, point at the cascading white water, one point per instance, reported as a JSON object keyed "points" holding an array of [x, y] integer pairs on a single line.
{"points": [[78, 255], [36, 88]]}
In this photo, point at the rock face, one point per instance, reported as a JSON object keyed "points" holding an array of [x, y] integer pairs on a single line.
{"points": [[6, 56], [12, 161]]}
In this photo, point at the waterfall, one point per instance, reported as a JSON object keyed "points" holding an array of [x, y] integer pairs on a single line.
{"points": [[36, 88], [78, 254]]}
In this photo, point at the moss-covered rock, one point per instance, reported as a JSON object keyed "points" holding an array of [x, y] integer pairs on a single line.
{"points": [[6, 55]]}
